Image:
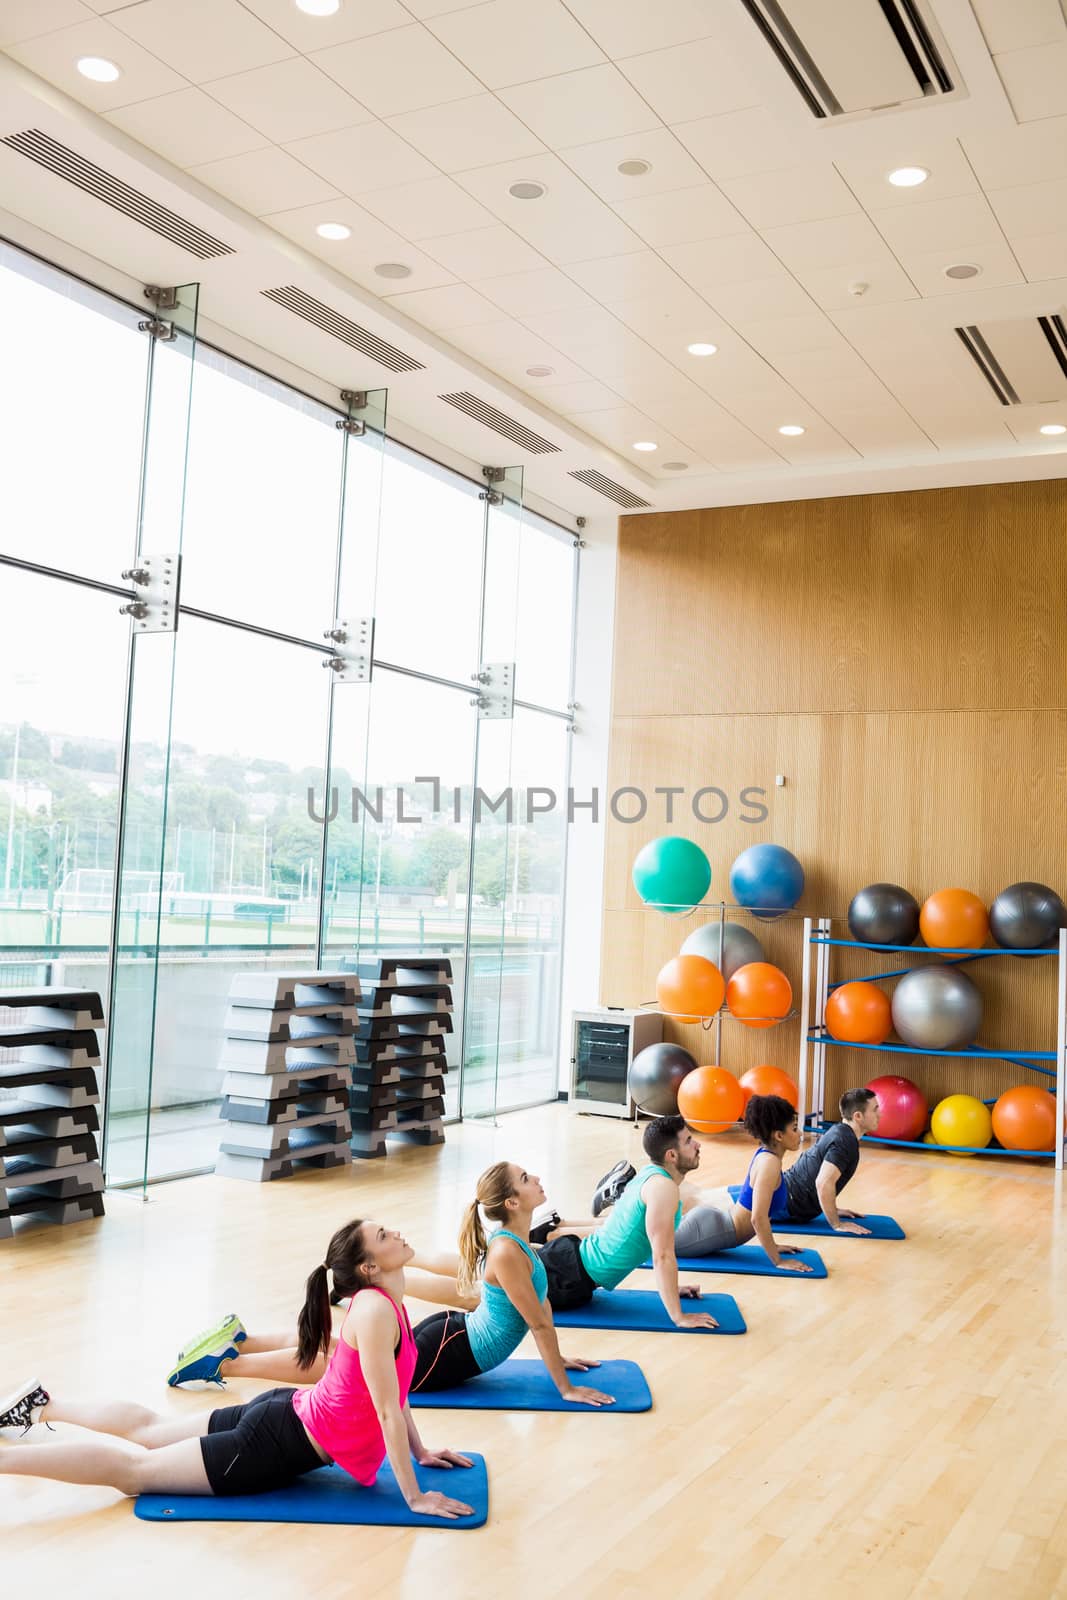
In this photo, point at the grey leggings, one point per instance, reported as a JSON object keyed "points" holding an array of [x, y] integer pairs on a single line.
{"points": [[704, 1230]]}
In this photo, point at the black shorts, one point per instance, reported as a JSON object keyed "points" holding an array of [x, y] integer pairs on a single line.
{"points": [[569, 1284], [445, 1357], [259, 1446]]}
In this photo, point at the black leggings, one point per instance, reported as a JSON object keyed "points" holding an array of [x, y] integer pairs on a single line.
{"points": [[445, 1357], [257, 1446]]}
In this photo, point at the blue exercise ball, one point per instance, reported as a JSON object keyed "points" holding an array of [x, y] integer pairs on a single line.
{"points": [[767, 879], [672, 875]]}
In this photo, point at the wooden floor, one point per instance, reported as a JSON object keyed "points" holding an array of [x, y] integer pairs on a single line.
{"points": [[898, 1430]]}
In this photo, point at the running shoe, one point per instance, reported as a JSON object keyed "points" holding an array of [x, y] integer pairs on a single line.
{"points": [[229, 1328], [22, 1408], [545, 1219], [611, 1186], [202, 1361]]}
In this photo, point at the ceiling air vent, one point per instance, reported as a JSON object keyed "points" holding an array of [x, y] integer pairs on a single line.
{"points": [[343, 328], [1024, 362], [490, 417], [612, 491], [73, 168], [866, 55]]}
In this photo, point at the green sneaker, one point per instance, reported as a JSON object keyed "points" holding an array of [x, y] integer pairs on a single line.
{"points": [[230, 1329], [202, 1360]]}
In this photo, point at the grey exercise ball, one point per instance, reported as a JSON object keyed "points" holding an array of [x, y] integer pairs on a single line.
{"points": [[884, 913], [1027, 916], [937, 1008], [655, 1073], [739, 946]]}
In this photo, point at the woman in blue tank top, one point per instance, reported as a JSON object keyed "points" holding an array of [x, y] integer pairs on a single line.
{"points": [[763, 1198]]}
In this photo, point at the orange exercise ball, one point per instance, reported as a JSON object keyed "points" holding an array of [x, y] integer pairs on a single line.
{"points": [[954, 919], [769, 1080], [710, 1099], [1024, 1118], [859, 1013], [689, 988], [759, 995]]}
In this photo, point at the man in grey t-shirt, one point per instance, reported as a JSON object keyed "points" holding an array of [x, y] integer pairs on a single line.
{"points": [[817, 1177]]}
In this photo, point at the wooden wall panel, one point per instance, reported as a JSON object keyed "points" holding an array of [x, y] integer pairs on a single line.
{"points": [[901, 660]]}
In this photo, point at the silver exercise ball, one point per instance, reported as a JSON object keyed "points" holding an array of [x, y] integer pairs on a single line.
{"points": [[884, 913], [937, 1008], [1027, 916], [655, 1073], [739, 946]]}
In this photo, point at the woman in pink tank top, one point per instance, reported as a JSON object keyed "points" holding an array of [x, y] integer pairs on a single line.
{"points": [[356, 1415]]}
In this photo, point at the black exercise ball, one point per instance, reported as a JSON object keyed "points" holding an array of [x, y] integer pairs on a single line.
{"points": [[1027, 916], [884, 913], [655, 1074]]}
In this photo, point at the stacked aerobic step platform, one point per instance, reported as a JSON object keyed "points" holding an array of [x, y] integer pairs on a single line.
{"points": [[287, 1062], [49, 1161], [398, 1083]]}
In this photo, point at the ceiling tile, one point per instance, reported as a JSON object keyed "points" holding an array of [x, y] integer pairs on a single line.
{"points": [[670, 165], [1036, 80], [187, 127], [512, 41], [682, 216], [926, 268], [28, 19], [629, 27], [566, 224], [424, 210], [441, 309], [1022, 23], [711, 263], [699, 79], [637, 276], [737, 143], [825, 243], [795, 194], [264, 181], [402, 70], [54, 57], [483, 253], [1035, 153], [575, 107], [371, 242], [363, 158], [757, 297], [622, 426], [532, 294], [424, 9], [309, 33], [1030, 208], [938, 224], [289, 100], [509, 348], [1042, 255], [202, 38], [570, 399], [460, 135], [773, 336], [950, 173], [834, 287]]}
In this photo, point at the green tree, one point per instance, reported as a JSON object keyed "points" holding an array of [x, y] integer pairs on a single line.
{"points": [[436, 853]]}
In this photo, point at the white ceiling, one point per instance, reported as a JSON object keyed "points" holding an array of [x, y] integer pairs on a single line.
{"points": [[751, 228]]}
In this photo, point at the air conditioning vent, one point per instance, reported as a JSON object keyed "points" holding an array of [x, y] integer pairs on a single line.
{"points": [[611, 490], [343, 328], [866, 55], [490, 417], [73, 168], [1024, 362]]}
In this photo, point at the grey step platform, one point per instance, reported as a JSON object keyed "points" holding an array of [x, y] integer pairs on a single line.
{"points": [[290, 1027], [257, 1055], [280, 1113], [363, 1101], [52, 1183], [79, 1208], [50, 1152], [375, 1119], [51, 1086], [286, 1085], [387, 1073], [277, 1139], [403, 969], [420, 1089], [22, 1118], [25, 1036], [256, 1170], [275, 991], [376, 1029], [66, 1003]]}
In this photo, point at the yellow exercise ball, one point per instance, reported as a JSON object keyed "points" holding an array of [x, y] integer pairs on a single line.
{"points": [[962, 1119]]}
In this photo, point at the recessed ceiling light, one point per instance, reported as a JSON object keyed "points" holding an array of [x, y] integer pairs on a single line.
{"points": [[392, 269], [676, 466], [1053, 427], [98, 69], [702, 349], [792, 430], [540, 372], [634, 169], [907, 177], [319, 8], [645, 444], [526, 189], [962, 269], [333, 230]]}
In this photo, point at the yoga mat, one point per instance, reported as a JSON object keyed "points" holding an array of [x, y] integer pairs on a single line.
{"points": [[526, 1386], [330, 1495], [642, 1311], [749, 1261], [880, 1227]]}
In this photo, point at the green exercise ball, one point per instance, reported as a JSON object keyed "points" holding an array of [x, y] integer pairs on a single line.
{"points": [[672, 875]]}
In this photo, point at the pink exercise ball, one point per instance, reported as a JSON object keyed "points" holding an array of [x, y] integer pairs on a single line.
{"points": [[903, 1108]]}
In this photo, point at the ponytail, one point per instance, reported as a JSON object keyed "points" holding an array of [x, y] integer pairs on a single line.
{"points": [[495, 1188], [346, 1255]]}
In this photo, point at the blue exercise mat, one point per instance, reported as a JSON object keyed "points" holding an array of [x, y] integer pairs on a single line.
{"points": [[642, 1311], [879, 1227], [330, 1495], [748, 1260], [526, 1386]]}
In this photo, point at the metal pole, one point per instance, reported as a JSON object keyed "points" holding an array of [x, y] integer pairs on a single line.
{"points": [[1061, 1049], [822, 979], [805, 1008], [718, 1014]]}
